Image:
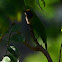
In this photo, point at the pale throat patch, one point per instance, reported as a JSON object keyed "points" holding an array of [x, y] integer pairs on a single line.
{"points": [[26, 18]]}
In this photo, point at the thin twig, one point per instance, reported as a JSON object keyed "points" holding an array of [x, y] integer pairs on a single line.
{"points": [[9, 31], [31, 47], [9, 35]]}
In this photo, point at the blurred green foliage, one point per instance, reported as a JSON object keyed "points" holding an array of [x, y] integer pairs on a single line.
{"points": [[4, 23], [11, 11], [14, 51]]}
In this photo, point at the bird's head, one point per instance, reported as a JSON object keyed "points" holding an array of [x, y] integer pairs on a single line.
{"points": [[28, 12]]}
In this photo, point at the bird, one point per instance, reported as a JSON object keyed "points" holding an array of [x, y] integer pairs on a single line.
{"points": [[36, 24]]}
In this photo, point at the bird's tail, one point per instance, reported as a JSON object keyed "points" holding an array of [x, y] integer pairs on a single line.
{"points": [[46, 46]]}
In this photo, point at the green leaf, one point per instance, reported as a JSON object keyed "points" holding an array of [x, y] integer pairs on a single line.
{"points": [[17, 38], [13, 58], [43, 2], [6, 59], [38, 2], [30, 3], [14, 51], [35, 4]]}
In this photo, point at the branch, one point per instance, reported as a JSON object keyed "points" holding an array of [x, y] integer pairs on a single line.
{"points": [[9, 31], [39, 47], [31, 47]]}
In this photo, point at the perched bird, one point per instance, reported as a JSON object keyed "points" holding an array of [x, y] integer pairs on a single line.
{"points": [[36, 24]]}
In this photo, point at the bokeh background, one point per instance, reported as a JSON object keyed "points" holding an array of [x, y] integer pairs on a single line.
{"points": [[12, 11]]}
